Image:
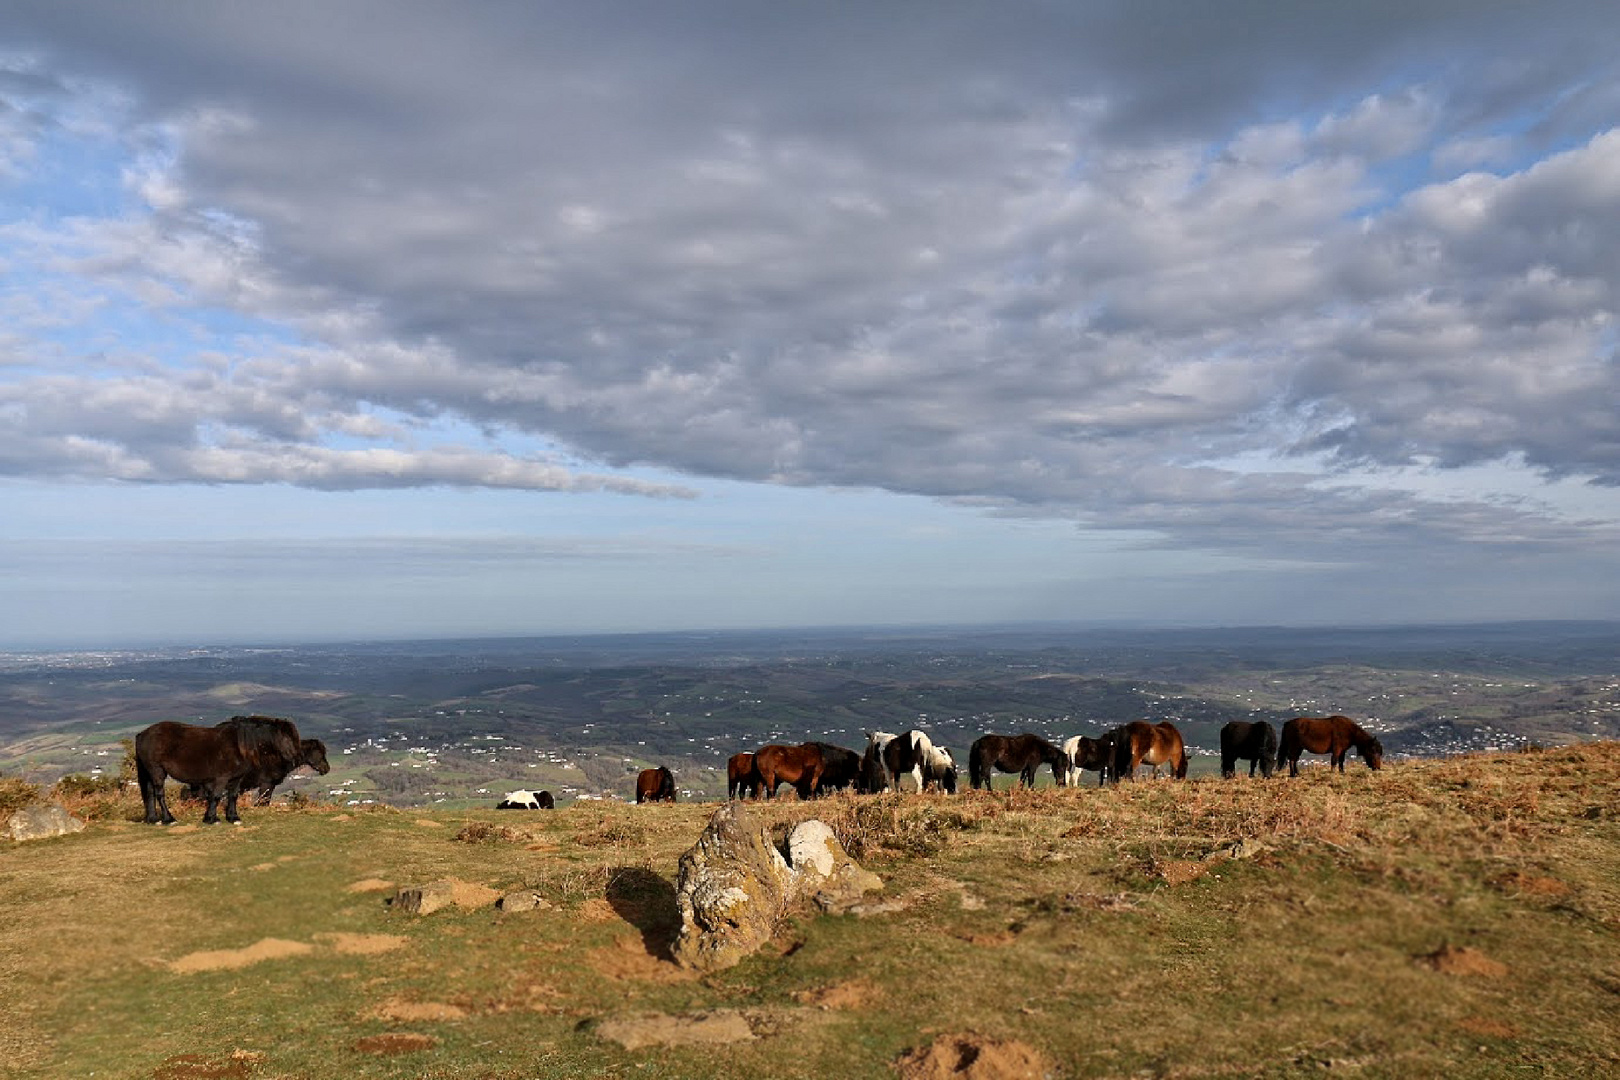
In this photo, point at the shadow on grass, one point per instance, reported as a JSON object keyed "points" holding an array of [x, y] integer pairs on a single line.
{"points": [[646, 901]]}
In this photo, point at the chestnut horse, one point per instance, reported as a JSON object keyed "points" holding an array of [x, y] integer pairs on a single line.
{"points": [[655, 785], [1333, 735], [219, 759], [1140, 742], [1255, 743], [742, 777], [1022, 754], [799, 765]]}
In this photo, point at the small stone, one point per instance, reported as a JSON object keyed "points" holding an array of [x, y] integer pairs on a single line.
{"points": [[425, 899], [523, 900]]}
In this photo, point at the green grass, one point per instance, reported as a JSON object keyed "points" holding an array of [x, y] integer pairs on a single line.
{"points": [[1083, 922]]}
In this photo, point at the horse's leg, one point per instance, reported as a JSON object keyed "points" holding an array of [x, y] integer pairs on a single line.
{"points": [[149, 790], [211, 813], [232, 790]]}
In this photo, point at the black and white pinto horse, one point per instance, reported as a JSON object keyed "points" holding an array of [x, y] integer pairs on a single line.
{"points": [[1083, 753], [913, 753], [874, 773], [523, 799]]}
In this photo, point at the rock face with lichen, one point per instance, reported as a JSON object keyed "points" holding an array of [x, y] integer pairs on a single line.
{"points": [[732, 888], [38, 822]]}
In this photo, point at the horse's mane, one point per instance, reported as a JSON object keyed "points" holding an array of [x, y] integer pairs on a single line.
{"points": [[265, 739]]}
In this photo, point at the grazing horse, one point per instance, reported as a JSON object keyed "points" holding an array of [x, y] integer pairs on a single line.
{"points": [[1333, 735], [1256, 743], [742, 777], [1140, 742], [655, 785], [914, 754], [527, 800], [1022, 754], [839, 768], [1085, 753], [874, 774], [799, 765], [219, 759], [311, 752]]}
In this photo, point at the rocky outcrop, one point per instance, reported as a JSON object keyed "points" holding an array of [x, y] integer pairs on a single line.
{"points": [[38, 822], [733, 887]]}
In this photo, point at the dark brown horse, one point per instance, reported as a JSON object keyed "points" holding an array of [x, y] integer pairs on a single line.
{"points": [[311, 752], [800, 766], [1256, 743], [218, 759], [1332, 735], [655, 785], [742, 777], [1022, 754], [840, 768], [1140, 742]]}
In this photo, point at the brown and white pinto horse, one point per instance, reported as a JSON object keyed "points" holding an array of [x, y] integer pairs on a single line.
{"points": [[797, 765], [655, 785], [1332, 735], [1141, 743], [742, 777]]}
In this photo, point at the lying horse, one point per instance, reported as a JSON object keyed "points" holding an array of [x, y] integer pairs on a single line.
{"points": [[914, 754], [742, 777], [799, 765], [840, 768], [1140, 742], [1332, 735], [1022, 754], [1084, 753], [655, 785], [1256, 743], [874, 774], [311, 752], [527, 800], [218, 759]]}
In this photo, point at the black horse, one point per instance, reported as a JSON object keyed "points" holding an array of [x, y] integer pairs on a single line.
{"points": [[840, 768], [1022, 754], [311, 752], [1256, 743], [218, 759]]}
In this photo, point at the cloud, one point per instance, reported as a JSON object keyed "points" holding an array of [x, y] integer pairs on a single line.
{"points": [[1068, 262]]}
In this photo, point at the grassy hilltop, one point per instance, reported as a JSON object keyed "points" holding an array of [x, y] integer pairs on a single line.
{"points": [[1452, 917]]}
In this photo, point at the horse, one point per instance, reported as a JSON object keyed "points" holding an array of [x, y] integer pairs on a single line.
{"points": [[655, 785], [527, 800], [799, 765], [1084, 753], [219, 759], [1155, 744], [742, 777], [874, 774], [915, 754], [311, 752], [1333, 735], [839, 768], [1022, 754], [1256, 743]]}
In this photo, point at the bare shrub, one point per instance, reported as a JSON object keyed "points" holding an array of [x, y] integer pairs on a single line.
{"points": [[16, 794]]}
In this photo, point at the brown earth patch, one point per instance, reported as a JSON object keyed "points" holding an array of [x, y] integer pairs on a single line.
{"points": [[975, 1058], [691, 1029], [470, 896], [1450, 960], [228, 959], [341, 817], [395, 1042], [263, 866], [597, 910], [237, 1066], [627, 958], [854, 994], [1491, 1029], [362, 944], [400, 1011], [1532, 885], [176, 830], [427, 823], [370, 884], [1181, 871]]}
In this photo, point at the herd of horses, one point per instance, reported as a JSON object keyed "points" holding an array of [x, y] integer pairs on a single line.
{"points": [[258, 752]]}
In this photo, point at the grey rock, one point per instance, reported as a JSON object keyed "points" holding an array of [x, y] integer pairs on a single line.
{"points": [[425, 899], [732, 889], [39, 822], [523, 900], [823, 870]]}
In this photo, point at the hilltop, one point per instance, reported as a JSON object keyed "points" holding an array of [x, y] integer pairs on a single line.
{"points": [[1454, 917]]}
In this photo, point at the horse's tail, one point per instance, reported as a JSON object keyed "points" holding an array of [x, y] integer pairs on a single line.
{"points": [[1268, 749]]}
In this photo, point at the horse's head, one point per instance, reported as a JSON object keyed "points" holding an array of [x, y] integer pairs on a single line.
{"points": [[312, 752], [1372, 752]]}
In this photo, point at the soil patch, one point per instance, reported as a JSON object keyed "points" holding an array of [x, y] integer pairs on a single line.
{"points": [[429, 824], [628, 958], [395, 1042], [370, 884], [597, 910], [1181, 871], [400, 1011], [854, 994], [227, 959], [1450, 960], [471, 897], [362, 944], [1491, 1029], [198, 1067], [975, 1058], [706, 1028], [1533, 885]]}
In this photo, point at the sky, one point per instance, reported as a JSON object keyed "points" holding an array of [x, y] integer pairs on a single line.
{"points": [[355, 320]]}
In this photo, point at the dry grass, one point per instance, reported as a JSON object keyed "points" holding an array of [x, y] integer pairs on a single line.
{"points": [[1438, 918]]}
